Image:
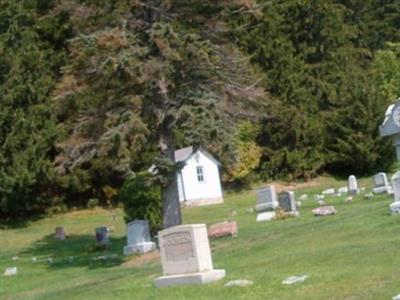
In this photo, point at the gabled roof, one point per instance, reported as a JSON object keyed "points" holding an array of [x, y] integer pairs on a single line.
{"points": [[182, 155]]}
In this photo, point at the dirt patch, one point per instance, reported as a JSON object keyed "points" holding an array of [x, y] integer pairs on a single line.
{"points": [[281, 186], [140, 260]]}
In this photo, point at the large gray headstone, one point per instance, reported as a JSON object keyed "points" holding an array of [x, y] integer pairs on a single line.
{"points": [[266, 198]]}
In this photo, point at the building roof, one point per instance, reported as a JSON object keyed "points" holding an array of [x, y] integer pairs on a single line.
{"points": [[182, 155]]}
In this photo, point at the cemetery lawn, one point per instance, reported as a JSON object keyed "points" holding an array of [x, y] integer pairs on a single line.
{"points": [[352, 255]]}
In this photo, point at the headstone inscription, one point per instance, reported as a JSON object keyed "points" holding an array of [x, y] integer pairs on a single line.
{"points": [[381, 184], [102, 236], [287, 201], [138, 238], [353, 187], [266, 199], [186, 256]]}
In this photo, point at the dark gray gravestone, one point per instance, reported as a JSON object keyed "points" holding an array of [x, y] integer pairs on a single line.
{"points": [[287, 201], [102, 236]]}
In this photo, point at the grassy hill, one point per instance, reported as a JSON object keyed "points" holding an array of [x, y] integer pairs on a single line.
{"points": [[352, 255]]}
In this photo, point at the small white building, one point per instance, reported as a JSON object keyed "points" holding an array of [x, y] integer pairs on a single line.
{"points": [[199, 181]]}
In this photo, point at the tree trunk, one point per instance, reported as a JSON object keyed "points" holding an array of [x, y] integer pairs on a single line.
{"points": [[170, 195]]}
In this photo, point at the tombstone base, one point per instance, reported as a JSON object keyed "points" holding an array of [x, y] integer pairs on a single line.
{"points": [[139, 248], [202, 202], [266, 206], [191, 278], [382, 189], [266, 216]]}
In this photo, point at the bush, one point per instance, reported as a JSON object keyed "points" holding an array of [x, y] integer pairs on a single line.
{"points": [[92, 203], [141, 199]]}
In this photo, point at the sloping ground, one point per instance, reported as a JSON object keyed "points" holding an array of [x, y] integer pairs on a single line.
{"points": [[352, 255]]}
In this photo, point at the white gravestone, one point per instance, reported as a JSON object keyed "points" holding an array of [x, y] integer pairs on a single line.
{"points": [[396, 186], [138, 236], [353, 187], [186, 256], [266, 199], [395, 206], [381, 184]]}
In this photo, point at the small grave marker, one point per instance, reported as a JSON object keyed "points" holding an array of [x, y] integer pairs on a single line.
{"points": [[381, 184], [227, 228], [102, 236], [353, 187]]}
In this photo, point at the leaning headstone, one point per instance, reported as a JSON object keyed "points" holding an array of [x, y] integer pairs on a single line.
{"points": [[186, 256], [138, 238], [59, 233], [10, 271], [324, 211], [266, 199], [266, 216], [102, 236], [381, 184], [227, 228], [353, 187]]}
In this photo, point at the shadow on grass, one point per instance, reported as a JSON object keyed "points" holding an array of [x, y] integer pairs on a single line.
{"points": [[76, 251], [19, 222]]}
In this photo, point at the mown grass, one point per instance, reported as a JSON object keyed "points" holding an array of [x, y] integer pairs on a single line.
{"points": [[352, 255]]}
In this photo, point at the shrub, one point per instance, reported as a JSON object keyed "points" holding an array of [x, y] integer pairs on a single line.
{"points": [[141, 198], [92, 203]]}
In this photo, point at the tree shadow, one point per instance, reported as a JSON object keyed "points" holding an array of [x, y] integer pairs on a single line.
{"points": [[76, 251], [19, 222]]}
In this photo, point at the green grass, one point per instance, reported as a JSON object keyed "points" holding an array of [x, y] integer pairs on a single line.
{"points": [[352, 255]]}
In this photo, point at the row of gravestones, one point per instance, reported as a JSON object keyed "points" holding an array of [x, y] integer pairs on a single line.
{"points": [[268, 201]]}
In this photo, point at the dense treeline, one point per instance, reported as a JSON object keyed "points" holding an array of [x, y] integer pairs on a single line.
{"points": [[92, 92]]}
